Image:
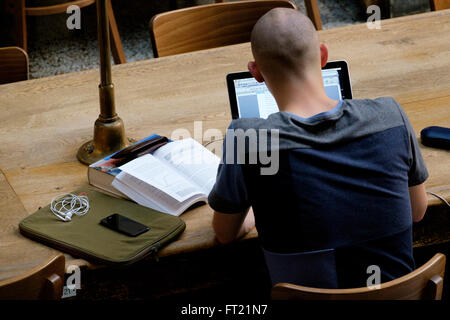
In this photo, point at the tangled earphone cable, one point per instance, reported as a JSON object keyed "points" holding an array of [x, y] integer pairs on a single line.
{"points": [[211, 141], [65, 205]]}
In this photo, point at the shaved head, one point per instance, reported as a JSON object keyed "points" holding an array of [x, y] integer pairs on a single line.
{"points": [[285, 44]]}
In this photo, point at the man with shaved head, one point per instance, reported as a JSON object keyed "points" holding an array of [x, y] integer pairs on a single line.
{"points": [[338, 212], [288, 53]]}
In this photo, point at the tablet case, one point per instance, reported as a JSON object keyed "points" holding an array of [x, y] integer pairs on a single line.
{"points": [[85, 237], [436, 137]]}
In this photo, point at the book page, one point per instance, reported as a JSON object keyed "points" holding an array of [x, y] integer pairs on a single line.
{"points": [[191, 159], [154, 172], [148, 196], [136, 196]]}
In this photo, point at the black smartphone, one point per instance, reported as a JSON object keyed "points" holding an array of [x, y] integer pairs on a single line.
{"points": [[124, 225]]}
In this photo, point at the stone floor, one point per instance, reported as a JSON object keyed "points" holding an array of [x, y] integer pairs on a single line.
{"points": [[53, 49]]}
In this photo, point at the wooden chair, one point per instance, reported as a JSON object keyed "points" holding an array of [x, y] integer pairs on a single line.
{"points": [[439, 4], [312, 9], [424, 283], [208, 26], [13, 65], [18, 9], [42, 282]]}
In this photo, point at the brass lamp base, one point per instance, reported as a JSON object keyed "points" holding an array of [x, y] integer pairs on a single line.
{"points": [[109, 132], [109, 137]]}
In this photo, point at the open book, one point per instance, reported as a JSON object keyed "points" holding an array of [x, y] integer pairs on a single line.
{"points": [[173, 178], [102, 173]]}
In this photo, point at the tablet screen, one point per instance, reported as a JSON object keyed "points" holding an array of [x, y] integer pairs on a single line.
{"points": [[254, 100]]}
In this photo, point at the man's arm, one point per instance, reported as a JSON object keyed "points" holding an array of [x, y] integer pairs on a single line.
{"points": [[419, 201], [229, 227], [417, 174]]}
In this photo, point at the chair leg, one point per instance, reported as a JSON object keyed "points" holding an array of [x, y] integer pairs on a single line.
{"points": [[17, 9], [313, 12], [432, 5], [116, 43]]}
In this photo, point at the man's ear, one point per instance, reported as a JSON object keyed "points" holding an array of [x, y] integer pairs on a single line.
{"points": [[253, 68], [323, 54]]}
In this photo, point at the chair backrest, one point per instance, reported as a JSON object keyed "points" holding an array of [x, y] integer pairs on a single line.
{"points": [[56, 8], [439, 4], [45, 281], [13, 65], [208, 26], [425, 283]]}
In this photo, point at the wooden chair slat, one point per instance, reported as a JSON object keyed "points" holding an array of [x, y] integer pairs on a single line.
{"points": [[439, 4], [209, 26], [42, 282], [424, 283], [13, 65]]}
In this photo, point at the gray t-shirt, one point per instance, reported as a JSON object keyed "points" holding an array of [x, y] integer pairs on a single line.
{"points": [[342, 181]]}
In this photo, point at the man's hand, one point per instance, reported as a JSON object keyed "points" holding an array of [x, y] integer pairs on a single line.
{"points": [[229, 227]]}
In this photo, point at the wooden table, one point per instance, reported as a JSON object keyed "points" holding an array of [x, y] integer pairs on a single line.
{"points": [[44, 121]]}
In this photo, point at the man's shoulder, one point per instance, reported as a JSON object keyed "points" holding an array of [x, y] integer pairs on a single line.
{"points": [[383, 112], [382, 104]]}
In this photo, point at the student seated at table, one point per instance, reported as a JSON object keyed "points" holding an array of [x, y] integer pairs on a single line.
{"points": [[350, 178]]}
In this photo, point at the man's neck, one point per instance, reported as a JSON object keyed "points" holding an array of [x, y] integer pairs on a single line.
{"points": [[305, 99]]}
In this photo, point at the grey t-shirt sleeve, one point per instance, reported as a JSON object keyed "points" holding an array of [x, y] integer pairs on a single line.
{"points": [[418, 172], [229, 194]]}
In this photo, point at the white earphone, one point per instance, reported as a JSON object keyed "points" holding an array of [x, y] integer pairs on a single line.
{"points": [[65, 205]]}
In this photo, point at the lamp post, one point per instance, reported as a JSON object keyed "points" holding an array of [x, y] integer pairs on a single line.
{"points": [[109, 131]]}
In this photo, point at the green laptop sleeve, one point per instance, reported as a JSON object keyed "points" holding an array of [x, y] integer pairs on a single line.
{"points": [[85, 237]]}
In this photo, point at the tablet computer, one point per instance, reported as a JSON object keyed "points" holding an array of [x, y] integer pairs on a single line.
{"points": [[251, 99]]}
